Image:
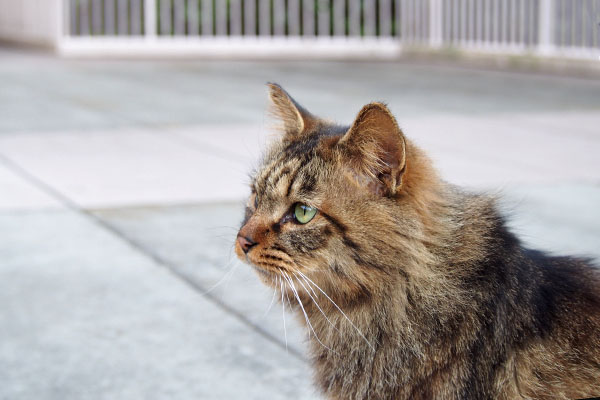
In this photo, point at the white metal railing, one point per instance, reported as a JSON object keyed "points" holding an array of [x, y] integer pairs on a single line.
{"points": [[544, 27]]}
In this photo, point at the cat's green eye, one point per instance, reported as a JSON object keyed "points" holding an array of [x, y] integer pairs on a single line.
{"points": [[304, 213]]}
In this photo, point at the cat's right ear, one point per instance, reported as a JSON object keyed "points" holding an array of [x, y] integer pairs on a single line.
{"points": [[375, 149], [295, 119]]}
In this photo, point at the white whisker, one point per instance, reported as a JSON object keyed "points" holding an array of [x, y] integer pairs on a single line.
{"points": [[226, 277], [283, 314], [272, 298], [304, 311], [314, 299], [339, 309]]}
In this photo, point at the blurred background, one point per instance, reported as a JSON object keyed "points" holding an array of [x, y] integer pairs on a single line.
{"points": [[128, 129]]}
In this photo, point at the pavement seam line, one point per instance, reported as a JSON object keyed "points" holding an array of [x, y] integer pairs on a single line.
{"points": [[71, 205]]}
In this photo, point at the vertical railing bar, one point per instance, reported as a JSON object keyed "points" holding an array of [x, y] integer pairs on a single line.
{"points": [[480, 15], [513, 22], [207, 17], [418, 19], [73, 18], [369, 13], [502, 21], [339, 17], [293, 17], [404, 19], [135, 18], [264, 17], [221, 17], [496, 22], [470, 22], [447, 10], [416, 6], [448, 18], [573, 23], [488, 22], [594, 25], [96, 11], [235, 18], [476, 22], [461, 21], [424, 37], [410, 23], [505, 22], [410, 18], [84, 26], [323, 20], [414, 18], [563, 22], [423, 17], [339, 20], [109, 17], [165, 17], [533, 16], [421, 36], [385, 23], [455, 26], [122, 17], [178, 17], [308, 18], [278, 17], [527, 23], [191, 7], [590, 23], [582, 31], [249, 18], [522, 22], [400, 20], [397, 23], [353, 18]]}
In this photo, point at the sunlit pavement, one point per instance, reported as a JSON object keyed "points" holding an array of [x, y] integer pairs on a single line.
{"points": [[121, 189]]}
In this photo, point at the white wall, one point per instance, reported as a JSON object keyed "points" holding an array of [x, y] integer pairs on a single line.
{"points": [[31, 21]]}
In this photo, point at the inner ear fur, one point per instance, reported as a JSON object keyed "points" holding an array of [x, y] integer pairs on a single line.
{"points": [[295, 119], [375, 149]]}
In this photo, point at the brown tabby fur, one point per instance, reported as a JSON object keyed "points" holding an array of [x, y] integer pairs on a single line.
{"points": [[444, 301]]}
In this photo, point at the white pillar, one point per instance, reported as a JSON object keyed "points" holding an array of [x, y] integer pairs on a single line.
{"points": [[435, 23], [546, 27], [150, 19]]}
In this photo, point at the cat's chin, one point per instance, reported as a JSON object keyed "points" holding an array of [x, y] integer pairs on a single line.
{"points": [[267, 277]]}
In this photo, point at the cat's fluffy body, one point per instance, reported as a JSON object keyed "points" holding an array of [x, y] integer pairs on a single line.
{"points": [[440, 299]]}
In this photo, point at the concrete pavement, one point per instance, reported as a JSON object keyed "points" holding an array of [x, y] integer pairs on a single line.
{"points": [[121, 186]]}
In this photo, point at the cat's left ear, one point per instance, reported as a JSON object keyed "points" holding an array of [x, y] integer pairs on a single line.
{"points": [[375, 150], [296, 120]]}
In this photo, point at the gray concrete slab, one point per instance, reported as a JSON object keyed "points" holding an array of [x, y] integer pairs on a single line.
{"points": [[562, 219], [42, 93], [84, 315], [197, 240]]}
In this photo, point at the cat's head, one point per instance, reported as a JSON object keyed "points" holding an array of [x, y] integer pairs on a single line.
{"points": [[329, 203]]}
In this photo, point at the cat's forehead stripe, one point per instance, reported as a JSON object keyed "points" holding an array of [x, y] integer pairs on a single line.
{"points": [[280, 176], [267, 169], [285, 169]]}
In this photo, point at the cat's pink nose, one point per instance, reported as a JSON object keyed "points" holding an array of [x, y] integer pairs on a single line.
{"points": [[245, 243]]}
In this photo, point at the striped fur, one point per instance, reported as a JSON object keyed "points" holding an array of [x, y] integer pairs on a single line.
{"points": [[439, 299]]}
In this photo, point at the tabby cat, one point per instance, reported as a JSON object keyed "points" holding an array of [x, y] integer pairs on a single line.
{"points": [[410, 287]]}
